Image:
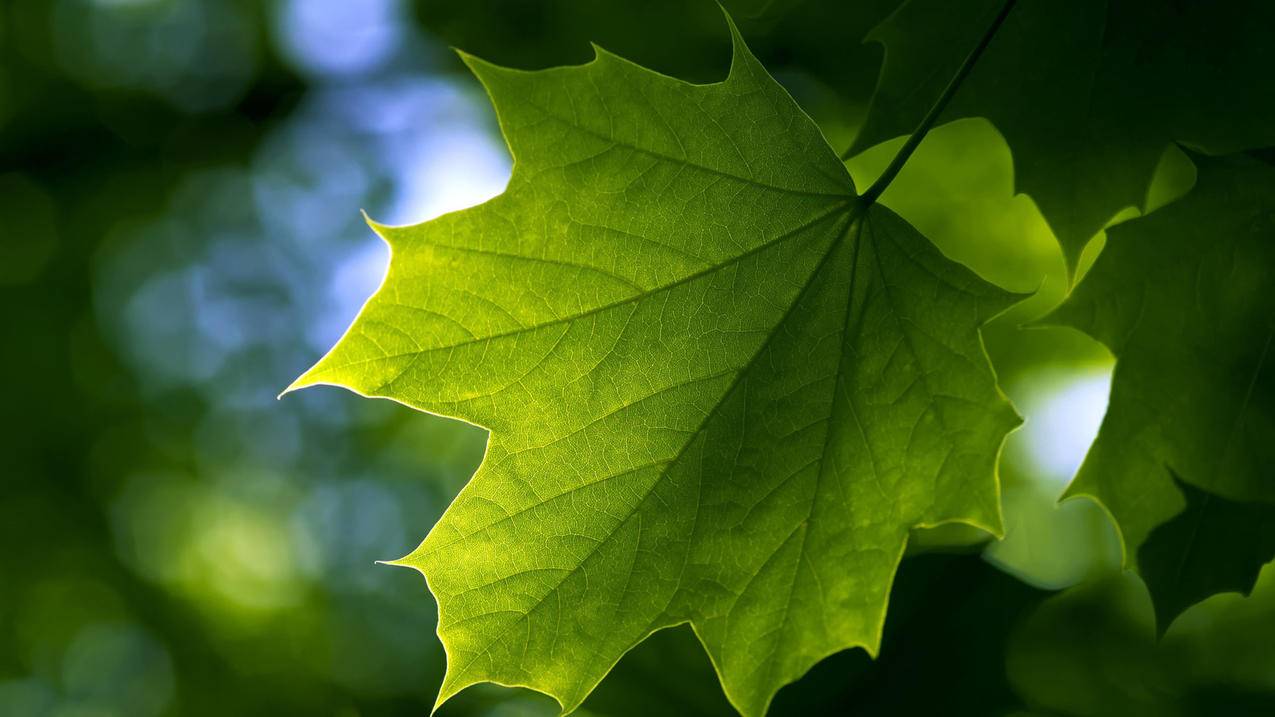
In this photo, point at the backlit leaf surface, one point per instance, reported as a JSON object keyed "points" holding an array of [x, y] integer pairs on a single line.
{"points": [[720, 387]]}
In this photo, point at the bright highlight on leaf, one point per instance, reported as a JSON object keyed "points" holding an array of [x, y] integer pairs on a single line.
{"points": [[721, 388]]}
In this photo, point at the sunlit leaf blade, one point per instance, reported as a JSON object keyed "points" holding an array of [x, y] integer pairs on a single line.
{"points": [[720, 388], [1185, 300], [1088, 93]]}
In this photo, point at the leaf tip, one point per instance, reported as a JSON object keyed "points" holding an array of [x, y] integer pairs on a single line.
{"points": [[407, 561], [481, 68], [376, 226], [730, 21], [403, 562], [443, 696], [399, 563], [465, 57], [320, 374], [740, 55], [300, 382]]}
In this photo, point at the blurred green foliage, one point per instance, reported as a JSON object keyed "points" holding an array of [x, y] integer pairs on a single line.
{"points": [[180, 185]]}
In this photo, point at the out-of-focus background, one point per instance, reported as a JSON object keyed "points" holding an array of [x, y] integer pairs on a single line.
{"points": [[180, 236]]}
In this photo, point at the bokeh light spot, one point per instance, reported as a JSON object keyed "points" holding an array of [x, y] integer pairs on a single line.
{"points": [[1064, 422], [337, 37]]}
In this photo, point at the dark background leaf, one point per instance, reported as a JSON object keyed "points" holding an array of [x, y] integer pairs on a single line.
{"points": [[1214, 545], [1088, 93]]}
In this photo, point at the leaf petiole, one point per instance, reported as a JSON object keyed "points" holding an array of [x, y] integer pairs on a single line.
{"points": [[900, 159]]}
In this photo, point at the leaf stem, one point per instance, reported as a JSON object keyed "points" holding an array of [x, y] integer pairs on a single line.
{"points": [[940, 104]]}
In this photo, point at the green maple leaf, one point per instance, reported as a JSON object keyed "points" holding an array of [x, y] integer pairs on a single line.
{"points": [[1214, 545], [721, 388], [1088, 93], [1184, 298]]}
